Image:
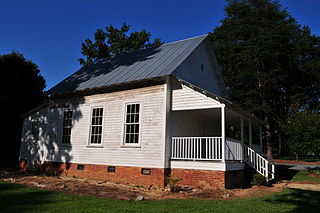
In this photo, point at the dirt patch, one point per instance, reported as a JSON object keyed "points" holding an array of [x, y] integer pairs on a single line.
{"points": [[111, 190], [278, 161], [258, 191], [304, 186], [314, 175]]}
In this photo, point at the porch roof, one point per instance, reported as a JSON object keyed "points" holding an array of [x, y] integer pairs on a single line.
{"points": [[231, 106]]}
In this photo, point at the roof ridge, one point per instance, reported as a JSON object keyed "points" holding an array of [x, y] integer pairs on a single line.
{"points": [[173, 42]]}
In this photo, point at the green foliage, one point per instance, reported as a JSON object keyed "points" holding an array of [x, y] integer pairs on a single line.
{"points": [[270, 63], [113, 42], [172, 181], [315, 171], [303, 131], [258, 179], [21, 89]]}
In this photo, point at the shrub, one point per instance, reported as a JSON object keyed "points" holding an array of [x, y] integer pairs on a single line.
{"points": [[171, 182], [315, 171], [258, 180]]}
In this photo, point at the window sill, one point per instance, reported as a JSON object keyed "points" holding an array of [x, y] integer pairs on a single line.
{"points": [[94, 146], [130, 146]]}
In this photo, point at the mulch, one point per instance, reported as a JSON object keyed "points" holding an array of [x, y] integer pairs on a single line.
{"points": [[105, 189]]}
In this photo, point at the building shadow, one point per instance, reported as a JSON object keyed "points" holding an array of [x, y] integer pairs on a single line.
{"points": [[18, 198], [46, 153], [285, 172], [300, 200]]}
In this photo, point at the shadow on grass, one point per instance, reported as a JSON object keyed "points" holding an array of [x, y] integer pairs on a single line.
{"points": [[283, 172], [18, 198], [301, 200]]}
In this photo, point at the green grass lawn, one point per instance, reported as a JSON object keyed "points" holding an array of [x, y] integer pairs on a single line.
{"points": [[303, 175], [19, 198]]}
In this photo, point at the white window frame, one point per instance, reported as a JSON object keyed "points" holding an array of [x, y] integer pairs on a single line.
{"points": [[124, 144], [71, 127], [35, 137], [89, 144]]}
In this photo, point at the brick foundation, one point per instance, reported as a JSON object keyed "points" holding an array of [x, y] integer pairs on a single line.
{"points": [[122, 174], [133, 175], [199, 178], [209, 178]]}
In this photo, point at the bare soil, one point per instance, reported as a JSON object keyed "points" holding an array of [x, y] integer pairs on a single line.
{"points": [[77, 186], [305, 186]]}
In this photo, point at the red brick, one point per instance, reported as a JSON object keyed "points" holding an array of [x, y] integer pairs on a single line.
{"points": [[123, 174]]}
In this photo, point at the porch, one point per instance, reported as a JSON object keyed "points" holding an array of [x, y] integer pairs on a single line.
{"points": [[220, 136]]}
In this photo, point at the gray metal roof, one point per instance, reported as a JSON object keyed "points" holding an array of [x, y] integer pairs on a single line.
{"points": [[143, 64]]}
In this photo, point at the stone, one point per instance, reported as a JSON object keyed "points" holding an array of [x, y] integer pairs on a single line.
{"points": [[63, 187], [40, 185], [225, 196], [139, 198]]}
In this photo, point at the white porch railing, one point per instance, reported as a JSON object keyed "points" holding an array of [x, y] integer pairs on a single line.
{"points": [[210, 148], [196, 148], [234, 149], [258, 162]]}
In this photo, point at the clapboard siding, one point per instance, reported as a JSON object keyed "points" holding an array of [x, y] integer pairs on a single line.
{"points": [[150, 154], [187, 98]]}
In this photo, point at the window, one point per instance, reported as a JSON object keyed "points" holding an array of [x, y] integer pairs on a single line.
{"points": [[131, 135], [35, 130], [96, 126], [67, 125]]}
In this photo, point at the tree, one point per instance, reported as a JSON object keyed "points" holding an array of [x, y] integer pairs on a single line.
{"points": [[303, 132], [270, 63], [21, 89], [115, 42]]}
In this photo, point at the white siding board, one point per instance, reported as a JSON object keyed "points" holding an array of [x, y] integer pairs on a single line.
{"points": [[187, 98], [152, 123], [207, 165], [199, 165]]}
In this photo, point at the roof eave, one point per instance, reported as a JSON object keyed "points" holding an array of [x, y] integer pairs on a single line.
{"points": [[221, 100]]}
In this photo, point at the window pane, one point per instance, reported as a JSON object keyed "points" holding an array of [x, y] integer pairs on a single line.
{"points": [[67, 124], [132, 120], [136, 138], [132, 123], [136, 118], [96, 125], [99, 121], [136, 128], [131, 138]]}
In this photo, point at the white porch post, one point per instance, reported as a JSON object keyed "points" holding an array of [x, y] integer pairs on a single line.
{"points": [[242, 130], [223, 136], [250, 133]]}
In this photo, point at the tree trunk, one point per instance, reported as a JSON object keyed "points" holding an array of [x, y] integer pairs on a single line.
{"points": [[268, 138]]}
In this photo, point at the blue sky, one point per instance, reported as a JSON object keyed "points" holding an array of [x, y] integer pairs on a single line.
{"points": [[50, 32]]}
